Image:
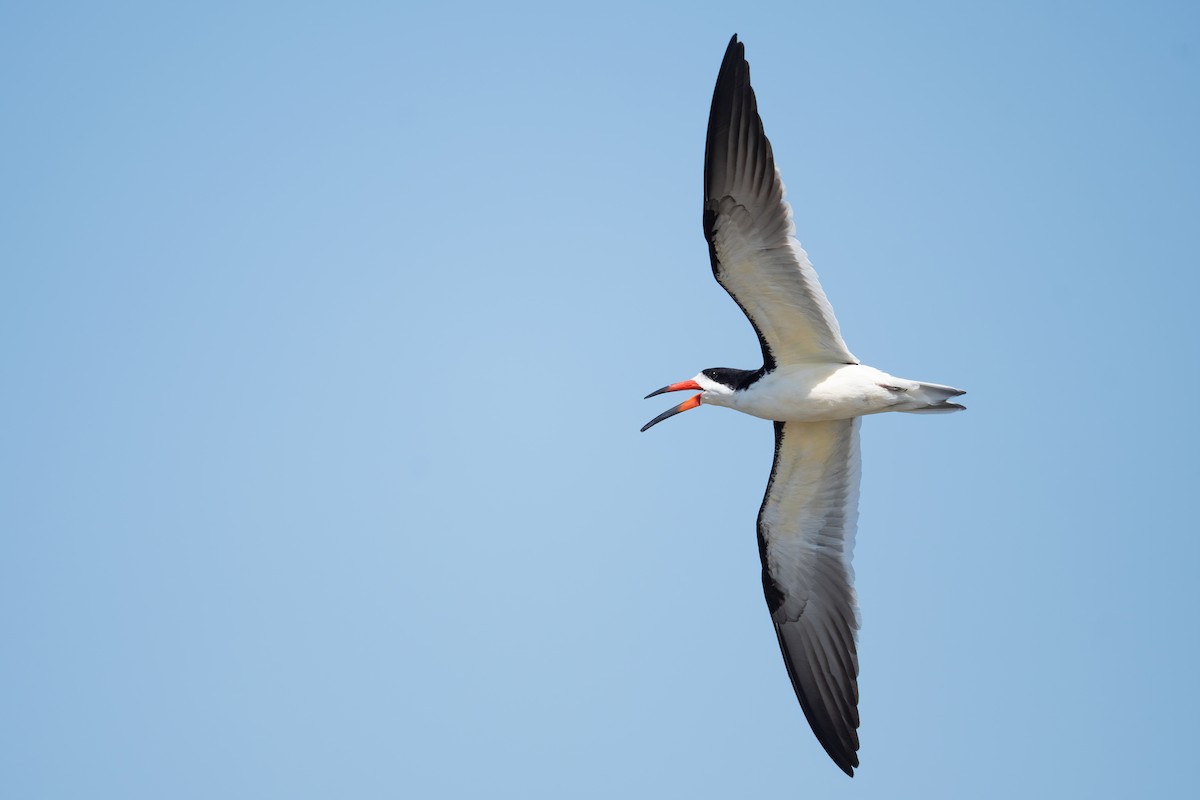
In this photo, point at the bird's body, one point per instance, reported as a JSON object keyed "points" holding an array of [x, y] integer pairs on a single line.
{"points": [[814, 390], [822, 392]]}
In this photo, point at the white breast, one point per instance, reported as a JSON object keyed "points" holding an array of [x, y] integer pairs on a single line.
{"points": [[815, 392]]}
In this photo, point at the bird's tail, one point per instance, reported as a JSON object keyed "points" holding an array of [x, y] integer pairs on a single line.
{"points": [[936, 397]]}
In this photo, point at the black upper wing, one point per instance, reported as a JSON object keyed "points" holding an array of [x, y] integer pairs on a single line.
{"points": [[751, 238]]}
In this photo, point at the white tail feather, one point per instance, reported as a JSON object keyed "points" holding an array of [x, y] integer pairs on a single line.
{"points": [[935, 395]]}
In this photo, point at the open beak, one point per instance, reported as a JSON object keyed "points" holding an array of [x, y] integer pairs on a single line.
{"points": [[684, 406]]}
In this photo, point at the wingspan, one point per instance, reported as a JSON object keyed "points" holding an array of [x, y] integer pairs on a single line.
{"points": [[806, 539], [751, 238]]}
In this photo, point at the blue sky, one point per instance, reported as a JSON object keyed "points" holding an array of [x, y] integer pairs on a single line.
{"points": [[324, 331]]}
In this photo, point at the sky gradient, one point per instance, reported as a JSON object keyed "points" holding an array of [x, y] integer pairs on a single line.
{"points": [[324, 332]]}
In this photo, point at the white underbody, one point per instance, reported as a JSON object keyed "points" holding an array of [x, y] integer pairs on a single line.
{"points": [[817, 392]]}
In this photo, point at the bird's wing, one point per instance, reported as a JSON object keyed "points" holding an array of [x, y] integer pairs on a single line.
{"points": [[806, 538], [751, 238]]}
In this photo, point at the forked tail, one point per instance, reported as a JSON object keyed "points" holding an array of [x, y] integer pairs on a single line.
{"points": [[936, 398]]}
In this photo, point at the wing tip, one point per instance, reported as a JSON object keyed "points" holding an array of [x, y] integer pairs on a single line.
{"points": [[844, 757], [734, 45], [836, 731]]}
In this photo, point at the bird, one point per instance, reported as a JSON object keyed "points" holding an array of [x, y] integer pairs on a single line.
{"points": [[814, 390]]}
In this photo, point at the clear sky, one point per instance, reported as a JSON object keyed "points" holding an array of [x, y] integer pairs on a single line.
{"points": [[324, 330]]}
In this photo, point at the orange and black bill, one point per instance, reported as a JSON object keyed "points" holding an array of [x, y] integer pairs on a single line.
{"points": [[670, 412]]}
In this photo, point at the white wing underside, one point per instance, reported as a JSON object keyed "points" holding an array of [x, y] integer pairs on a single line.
{"points": [[748, 224], [767, 272], [806, 529]]}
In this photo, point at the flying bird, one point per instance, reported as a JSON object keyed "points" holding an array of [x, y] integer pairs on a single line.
{"points": [[814, 390]]}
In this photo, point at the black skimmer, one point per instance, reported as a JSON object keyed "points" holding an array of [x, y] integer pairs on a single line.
{"points": [[814, 390]]}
